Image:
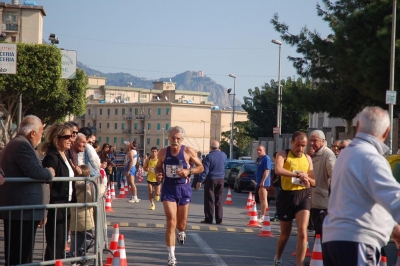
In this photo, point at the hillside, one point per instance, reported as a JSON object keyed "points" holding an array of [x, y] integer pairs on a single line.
{"points": [[184, 81]]}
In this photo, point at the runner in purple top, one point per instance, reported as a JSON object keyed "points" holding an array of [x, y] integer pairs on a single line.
{"points": [[173, 167]]}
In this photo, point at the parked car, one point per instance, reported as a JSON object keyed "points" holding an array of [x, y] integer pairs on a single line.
{"points": [[244, 177], [228, 166]]}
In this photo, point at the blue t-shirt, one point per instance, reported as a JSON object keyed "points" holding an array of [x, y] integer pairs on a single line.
{"points": [[264, 163]]}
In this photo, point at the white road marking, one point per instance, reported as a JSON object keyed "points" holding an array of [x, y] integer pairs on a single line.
{"points": [[215, 259]]}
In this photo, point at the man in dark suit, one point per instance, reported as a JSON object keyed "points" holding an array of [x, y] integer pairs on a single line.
{"points": [[213, 177], [19, 159]]}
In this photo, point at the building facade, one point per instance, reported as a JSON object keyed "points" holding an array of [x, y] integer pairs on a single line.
{"points": [[118, 114]]}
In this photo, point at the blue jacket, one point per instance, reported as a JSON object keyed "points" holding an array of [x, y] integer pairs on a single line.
{"points": [[214, 166]]}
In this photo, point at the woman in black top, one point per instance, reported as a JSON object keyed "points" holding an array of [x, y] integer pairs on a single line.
{"points": [[58, 141]]}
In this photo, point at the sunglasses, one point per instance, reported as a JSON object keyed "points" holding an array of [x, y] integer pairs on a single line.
{"points": [[74, 132], [90, 142], [65, 137], [341, 147]]}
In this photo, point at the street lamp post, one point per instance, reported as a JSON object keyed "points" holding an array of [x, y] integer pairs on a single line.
{"points": [[215, 127], [204, 132], [279, 103], [144, 143], [233, 116]]}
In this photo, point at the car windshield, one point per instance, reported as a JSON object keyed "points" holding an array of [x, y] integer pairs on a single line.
{"points": [[229, 165], [249, 168]]}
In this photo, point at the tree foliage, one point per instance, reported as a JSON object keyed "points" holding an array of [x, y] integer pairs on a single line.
{"points": [[350, 67], [43, 91], [261, 107], [241, 139]]}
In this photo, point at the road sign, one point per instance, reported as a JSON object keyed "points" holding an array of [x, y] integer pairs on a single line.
{"points": [[68, 64], [276, 130], [391, 97], [8, 58]]}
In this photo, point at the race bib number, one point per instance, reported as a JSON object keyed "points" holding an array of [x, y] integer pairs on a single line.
{"points": [[171, 171], [153, 169], [297, 181]]}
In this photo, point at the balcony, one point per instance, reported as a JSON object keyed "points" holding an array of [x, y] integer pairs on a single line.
{"points": [[127, 131], [94, 130], [81, 117], [127, 117], [139, 131], [141, 117], [94, 116], [12, 27]]}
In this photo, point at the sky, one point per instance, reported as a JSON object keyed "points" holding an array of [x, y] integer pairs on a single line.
{"points": [[162, 38]]}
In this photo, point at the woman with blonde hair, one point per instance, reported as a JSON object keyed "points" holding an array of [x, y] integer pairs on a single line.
{"points": [[58, 141], [130, 169]]}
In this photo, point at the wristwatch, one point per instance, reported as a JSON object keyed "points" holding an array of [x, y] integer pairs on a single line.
{"points": [[297, 175]]}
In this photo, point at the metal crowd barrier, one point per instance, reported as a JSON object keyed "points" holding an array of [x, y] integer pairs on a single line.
{"points": [[91, 257]]}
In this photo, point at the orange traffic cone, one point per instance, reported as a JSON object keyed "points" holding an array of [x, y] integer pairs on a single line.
{"points": [[253, 216], [108, 205], [229, 197], [266, 226], [108, 192], [112, 192], [398, 259], [122, 192], [383, 261], [116, 261], [249, 205], [122, 252], [58, 263], [113, 244], [127, 188], [316, 258], [308, 252]]}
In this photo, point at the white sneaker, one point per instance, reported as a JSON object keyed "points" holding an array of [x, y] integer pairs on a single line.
{"points": [[277, 262], [134, 200], [261, 219], [181, 237], [171, 262]]}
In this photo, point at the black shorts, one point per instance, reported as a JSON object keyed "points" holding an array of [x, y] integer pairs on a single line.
{"points": [[289, 203], [153, 183], [317, 217], [346, 253]]}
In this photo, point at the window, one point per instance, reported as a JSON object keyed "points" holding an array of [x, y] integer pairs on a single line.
{"points": [[115, 140], [159, 111], [148, 126], [167, 111], [115, 125], [116, 111], [108, 111], [88, 124], [166, 126], [100, 125], [108, 125], [149, 111], [11, 20], [122, 127], [166, 142], [135, 126], [99, 139], [148, 141], [101, 111], [123, 111], [136, 111], [158, 126], [158, 142], [88, 111], [122, 140], [96, 95], [134, 139], [107, 139]]}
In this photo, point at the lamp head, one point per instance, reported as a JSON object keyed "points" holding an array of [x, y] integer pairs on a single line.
{"points": [[232, 76], [276, 42]]}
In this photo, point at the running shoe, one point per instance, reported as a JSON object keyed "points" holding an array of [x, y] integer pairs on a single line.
{"points": [[261, 219], [181, 237], [172, 262], [277, 262], [157, 198], [134, 200], [152, 206]]}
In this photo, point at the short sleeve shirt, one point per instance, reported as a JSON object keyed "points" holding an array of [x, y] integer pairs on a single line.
{"points": [[263, 163]]}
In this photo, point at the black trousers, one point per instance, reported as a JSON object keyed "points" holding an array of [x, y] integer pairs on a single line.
{"points": [[26, 239], [213, 189], [56, 238]]}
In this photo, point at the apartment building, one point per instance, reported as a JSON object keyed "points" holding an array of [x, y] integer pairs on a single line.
{"points": [[21, 22], [117, 114]]}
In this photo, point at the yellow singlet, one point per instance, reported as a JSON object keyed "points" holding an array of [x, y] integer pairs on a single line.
{"points": [[294, 163], [151, 176]]}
